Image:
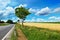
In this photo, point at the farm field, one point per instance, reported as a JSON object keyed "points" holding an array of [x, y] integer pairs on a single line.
{"points": [[52, 26], [35, 33]]}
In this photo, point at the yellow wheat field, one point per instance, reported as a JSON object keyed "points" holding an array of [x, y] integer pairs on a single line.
{"points": [[44, 25]]}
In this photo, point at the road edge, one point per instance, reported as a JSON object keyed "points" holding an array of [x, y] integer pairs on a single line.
{"points": [[11, 30]]}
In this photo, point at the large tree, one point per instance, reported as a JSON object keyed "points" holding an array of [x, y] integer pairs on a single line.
{"points": [[22, 12]]}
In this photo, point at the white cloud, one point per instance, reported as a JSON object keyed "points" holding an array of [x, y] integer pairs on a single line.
{"points": [[54, 18], [35, 20], [4, 3], [33, 10], [23, 5], [4, 20], [43, 11], [1, 11], [50, 19], [56, 10], [7, 11]]}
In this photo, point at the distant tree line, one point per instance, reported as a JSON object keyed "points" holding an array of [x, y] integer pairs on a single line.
{"points": [[8, 21], [2, 21]]}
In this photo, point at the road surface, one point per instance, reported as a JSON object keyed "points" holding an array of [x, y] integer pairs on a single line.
{"points": [[4, 30]]}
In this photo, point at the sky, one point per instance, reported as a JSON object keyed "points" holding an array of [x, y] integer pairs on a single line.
{"points": [[41, 10]]}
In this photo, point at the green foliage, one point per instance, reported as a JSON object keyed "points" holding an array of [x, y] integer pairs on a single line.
{"points": [[10, 21], [21, 12], [13, 37], [2, 21], [33, 33]]}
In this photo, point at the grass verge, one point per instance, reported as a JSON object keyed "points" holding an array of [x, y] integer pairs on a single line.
{"points": [[14, 35], [3, 24], [33, 33]]}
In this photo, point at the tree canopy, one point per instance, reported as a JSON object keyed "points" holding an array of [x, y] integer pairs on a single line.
{"points": [[22, 12]]}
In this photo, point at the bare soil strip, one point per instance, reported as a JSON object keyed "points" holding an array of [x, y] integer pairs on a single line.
{"points": [[21, 36], [51, 26]]}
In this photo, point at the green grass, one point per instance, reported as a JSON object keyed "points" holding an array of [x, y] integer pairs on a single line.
{"points": [[13, 36], [33, 33], [3, 24]]}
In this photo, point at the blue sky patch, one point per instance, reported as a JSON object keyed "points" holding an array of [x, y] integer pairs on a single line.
{"points": [[41, 10]]}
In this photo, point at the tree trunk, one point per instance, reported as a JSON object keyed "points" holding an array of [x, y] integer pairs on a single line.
{"points": [[22, 22]]}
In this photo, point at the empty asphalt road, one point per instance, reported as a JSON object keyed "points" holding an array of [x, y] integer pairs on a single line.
{"points": [[4, 30]]}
